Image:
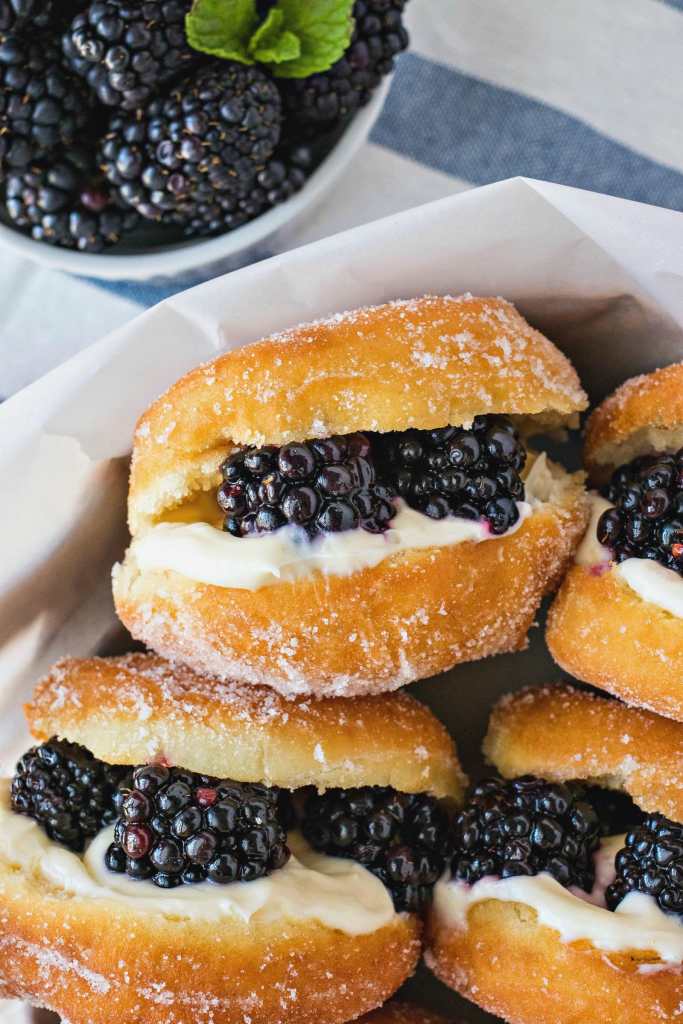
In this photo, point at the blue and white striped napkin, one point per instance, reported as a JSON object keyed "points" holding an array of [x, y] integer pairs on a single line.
{"points": [[580, 92]]}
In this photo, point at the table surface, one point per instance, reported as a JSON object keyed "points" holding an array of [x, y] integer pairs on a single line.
{"points": [[578, 92]]}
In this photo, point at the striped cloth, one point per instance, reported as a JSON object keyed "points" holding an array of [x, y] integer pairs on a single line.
{"points": [[582, 92]]}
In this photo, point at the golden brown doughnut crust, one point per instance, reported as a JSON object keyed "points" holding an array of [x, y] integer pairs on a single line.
{"points": [[603, 633], [635, 419], [563, 733], [95, 961], [415, 614], [421, 363], [520, 970], [139, 708]]}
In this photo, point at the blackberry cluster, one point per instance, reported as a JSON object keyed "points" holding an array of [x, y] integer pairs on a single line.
{"points": [[280, 178], [451, 471], [195, 144], [651, 862], [67, 791], [36, 14], [323, 100], [202, 144], [322, 486], [401, 838], [125, 50], [41, 104], [525, 827], [62, 200], [177, 827], [647, 520]]}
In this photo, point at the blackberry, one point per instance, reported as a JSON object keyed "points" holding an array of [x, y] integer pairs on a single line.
{"points": [[198, 147], [651, 862], [323, 100], [178, 827], [126, 51], [400, 837], [41, 104], [67, 791], [525, 827], [36, 14], [279, 180], [322, 486], [451, 471], [61, 200], [647, 518]]}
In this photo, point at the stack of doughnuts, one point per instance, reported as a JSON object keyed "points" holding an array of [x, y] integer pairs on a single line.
{"points": [[252, 822], [564, 898]]}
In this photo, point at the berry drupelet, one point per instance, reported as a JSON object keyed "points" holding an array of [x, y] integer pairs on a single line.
{"points": [[125, 51], [400, 837], [67, 791], [525, 827], [647, 518], [651, 862], [42, 105], [323, 100], [63, 200], [452, 471], [199, 146], [176, 827], [323, 486]]}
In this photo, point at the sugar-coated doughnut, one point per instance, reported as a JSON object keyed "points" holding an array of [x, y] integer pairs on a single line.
{"points": [[521, 971], [314, 940], [93, 961], [557, 957], [426, 363], [602, 632], [563, 733], [139, 708], [620, 626], [644, 415]]}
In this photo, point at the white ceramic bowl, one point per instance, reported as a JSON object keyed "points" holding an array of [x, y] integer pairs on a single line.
{"points": [[220, 254]]}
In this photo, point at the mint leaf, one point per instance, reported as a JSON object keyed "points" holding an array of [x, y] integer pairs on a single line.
{"points": [[271, 43], [222, 28], [323, 29]]}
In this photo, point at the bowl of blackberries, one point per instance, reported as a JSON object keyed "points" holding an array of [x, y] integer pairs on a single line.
{"points": [[144, 137]]}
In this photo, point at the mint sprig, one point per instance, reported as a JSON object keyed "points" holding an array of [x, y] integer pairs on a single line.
{"points": [[297, 38]]}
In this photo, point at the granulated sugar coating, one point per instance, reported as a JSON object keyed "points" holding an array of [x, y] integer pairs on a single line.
{"points": [[138, 708], [94, 960], [561, 733]]}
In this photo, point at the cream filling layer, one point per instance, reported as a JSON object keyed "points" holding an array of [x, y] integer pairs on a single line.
{"points": [[340, 894], [649, 580], [636, 924], [203, 553]]}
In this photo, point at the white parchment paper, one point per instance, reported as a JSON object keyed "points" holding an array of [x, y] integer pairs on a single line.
{"points": [[602, 277]]}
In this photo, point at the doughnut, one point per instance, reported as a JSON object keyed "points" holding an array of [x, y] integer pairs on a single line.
{"points": [[528, 947], [616, 621], [163, 855], [349, 506]]}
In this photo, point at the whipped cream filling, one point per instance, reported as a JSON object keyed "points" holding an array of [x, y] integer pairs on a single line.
{"points": [[206, 554], [340, 894], [636, 924], [649, 580]]}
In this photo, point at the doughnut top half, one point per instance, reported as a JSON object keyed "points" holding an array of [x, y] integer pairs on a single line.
{"points": [[139, 708], [562, 734], [423, 363], [643, 416]]}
